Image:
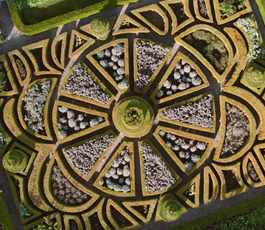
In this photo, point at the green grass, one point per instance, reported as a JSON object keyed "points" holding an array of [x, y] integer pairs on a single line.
{"points": [[253, 220], [32, 15], [4, 216], [31, 21], [250, 213]]}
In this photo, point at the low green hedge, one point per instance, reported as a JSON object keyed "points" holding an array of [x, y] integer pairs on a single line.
{"points": [[261, 5], [60, 19]]}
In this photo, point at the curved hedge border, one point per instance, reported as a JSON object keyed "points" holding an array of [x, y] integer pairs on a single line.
{"points": [[58, 20]]}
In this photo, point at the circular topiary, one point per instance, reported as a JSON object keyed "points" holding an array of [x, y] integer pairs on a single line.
{"points": [[15, 161], [100, 28], [169, 208], [254, 77], [133, 117]]}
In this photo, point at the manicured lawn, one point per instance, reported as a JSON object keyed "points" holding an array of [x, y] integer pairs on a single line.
{"points": [[4, 217], [30, 13], [248, 215], [35, 16], [252, 220]]}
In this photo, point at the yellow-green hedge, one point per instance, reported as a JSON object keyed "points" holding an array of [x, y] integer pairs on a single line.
{"points": [[261, 6], [60, 19]]}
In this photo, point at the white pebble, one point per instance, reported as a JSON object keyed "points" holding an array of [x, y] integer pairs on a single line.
{"points": [[167, 84], [201, 146], [120, 71], [187, 68], [196, 81], [182, 86], [121, 63], [103, 63], [107, 53], [177, 75], [62, 109]]}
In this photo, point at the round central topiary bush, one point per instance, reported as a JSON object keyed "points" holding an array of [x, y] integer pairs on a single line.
{"points": [[133, 116]]}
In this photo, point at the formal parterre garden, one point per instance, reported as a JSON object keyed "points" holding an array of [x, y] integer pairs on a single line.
{"points": [[135, 118]]}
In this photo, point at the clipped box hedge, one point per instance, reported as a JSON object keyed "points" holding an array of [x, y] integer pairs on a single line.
{"points": [[261, 5], [60, 19]]}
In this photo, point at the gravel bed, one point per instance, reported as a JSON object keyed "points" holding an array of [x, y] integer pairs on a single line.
{"points": [[187, 150], [64, 191], [34, 103], [118, 177], [84, 156], [71, 121], [199, 112], [81, 83], [183, 77], [237, 130], [112, 60], [149, 56], [157, 174]]}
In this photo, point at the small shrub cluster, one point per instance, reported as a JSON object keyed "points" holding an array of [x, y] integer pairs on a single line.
{"points": [[47, 224], [250, 27], [15, 161], [254, 77], [230, 7], [100, 28], [169, 208], [211, 47]]}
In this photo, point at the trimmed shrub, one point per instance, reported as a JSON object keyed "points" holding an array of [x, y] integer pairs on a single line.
{"points": [[15, 161], [169, 208], [100, 28]]}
